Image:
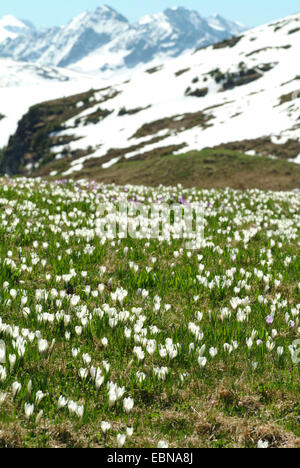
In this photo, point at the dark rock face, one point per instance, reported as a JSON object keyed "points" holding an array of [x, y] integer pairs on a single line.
{"points": [[35, 133], [20, 143], [30, 142], [202, 92]]}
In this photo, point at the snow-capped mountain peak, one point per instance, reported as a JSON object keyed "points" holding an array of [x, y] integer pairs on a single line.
{"points": [[104, 40], [106, 13], [11, 27], [102, 18], [219, 23], [11, 22], [178, 18]]}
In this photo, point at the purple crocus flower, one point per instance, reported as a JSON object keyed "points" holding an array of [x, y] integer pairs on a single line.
{"points": [[269, 319]]}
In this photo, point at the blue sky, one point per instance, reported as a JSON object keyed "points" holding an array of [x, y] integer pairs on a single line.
{"points": [[57, 12]]}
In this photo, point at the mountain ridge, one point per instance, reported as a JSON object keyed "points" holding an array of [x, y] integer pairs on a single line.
{"points": [[105, 41], [250, 101]]}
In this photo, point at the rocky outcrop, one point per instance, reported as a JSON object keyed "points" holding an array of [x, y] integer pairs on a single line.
{"points": [[30, 146]]}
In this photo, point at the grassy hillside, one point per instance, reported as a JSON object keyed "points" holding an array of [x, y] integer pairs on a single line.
{"points": [[204, 169]]}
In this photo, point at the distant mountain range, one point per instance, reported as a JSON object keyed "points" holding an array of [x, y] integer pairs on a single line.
{"points": [[105, 41], [242, 93]]}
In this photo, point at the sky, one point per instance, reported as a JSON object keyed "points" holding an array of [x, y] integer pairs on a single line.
{"points": [[57, 12]]}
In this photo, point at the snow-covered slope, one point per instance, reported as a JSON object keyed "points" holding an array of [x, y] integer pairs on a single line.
{"points": [[24, 84], [20, 74], [246, 88], [104, 41]]}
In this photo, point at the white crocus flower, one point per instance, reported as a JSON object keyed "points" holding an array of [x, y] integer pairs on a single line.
{"points": [[128, 404], [28, 410], [104, 342], [213, 352], [112, 398], [3, 373], [62, 402], [262, 444], [16, 387], [162, 444], [39, 396], [280, 350], [83, 373], [2, 352], [105, 426], [202, 361], [99, 381], [43, 346], [121, 438]]}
